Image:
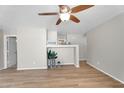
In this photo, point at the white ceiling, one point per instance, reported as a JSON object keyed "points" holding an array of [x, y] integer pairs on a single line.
{"points": [[26, 16]]}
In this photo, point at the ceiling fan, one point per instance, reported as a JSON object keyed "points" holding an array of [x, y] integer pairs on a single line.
{"points": [[65, 13]]}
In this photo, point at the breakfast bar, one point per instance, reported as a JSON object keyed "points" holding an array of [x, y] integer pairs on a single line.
{"points": [[67, 54]]}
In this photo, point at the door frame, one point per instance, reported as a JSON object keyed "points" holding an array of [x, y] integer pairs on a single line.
{"points": [[5, 48]]}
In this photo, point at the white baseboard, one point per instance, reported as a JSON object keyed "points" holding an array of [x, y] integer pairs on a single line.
{"points": [[41, 67], [82, 59], [31, 68], [77, 66], [105, 73], [68, 64]]}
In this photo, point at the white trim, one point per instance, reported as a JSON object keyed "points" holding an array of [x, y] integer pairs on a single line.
{"points": [[5, 49], [105, 72], [68, 64], [31, 68], [76, 65], [82, 59]]}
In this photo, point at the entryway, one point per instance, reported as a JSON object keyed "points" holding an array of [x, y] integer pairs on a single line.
{"points": [[11, 52]]}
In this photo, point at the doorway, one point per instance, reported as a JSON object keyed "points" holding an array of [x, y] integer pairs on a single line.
{"points": [[11, 52]]}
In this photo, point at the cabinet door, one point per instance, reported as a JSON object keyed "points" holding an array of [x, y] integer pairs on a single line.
{"points": [[52, 37]]}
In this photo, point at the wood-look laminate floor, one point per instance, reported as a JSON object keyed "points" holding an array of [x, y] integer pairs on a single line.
{"points": [[65, 76]]}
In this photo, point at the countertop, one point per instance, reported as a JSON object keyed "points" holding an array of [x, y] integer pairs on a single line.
{"points": [[62, 46]]}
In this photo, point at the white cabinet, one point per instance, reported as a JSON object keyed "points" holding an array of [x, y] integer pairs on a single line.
{"points": [[62, 38], [52, 37]]}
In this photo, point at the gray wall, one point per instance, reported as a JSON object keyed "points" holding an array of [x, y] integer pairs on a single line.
{"points": [[106, 47], [1, 50], [31, 48]]}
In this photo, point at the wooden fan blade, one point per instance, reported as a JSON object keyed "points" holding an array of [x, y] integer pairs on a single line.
{"points": [[60, 6], [53, 13], [58, 22], [80, 8], [75, 19]]}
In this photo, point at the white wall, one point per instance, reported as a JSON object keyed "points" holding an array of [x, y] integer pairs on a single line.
{"points": [[80, 40], [106, 47], [1, 49], [31, 48]]}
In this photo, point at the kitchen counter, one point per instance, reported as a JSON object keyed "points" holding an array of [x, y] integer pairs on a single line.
{"points": [[62, 46], [68, 54]]}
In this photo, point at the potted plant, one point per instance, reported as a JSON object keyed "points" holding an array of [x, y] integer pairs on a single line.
{"points": [[52, 55]]}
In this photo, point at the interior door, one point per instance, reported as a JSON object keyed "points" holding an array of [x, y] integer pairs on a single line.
{"points": [[11, 52]]}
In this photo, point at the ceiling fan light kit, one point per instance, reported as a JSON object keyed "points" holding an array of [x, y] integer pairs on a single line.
{"points": [[64, 16], [65, 13]]}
